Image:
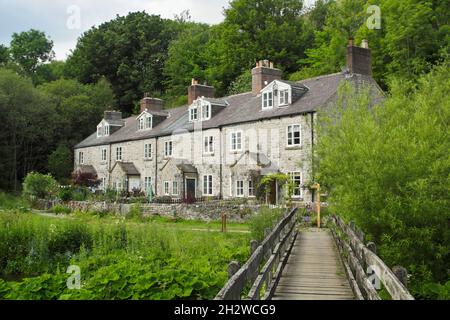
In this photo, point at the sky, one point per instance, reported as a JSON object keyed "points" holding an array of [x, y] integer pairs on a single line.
{"points": [[65, 20]]}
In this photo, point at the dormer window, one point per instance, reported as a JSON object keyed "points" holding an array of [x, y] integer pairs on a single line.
{"points": [[103, 129], [267, 100], [284, 97], [201, 109], [145, 121], [193, 114], [276, 94], [206, 112]]}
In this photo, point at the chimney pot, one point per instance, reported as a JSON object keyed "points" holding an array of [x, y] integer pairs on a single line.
{"points": [[196, 90], [263, 74], [151, 104]]}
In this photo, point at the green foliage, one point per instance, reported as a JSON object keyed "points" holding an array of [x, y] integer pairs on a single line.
{"points": [[135, 212], [30, 49], [387, 168], [65, 193], [4, 55], [264, 219], [133, 50], [39, 121], [49, 72], [60, 209], [39, 186], [117, 260], [242, 84], [60, 163], [25, 114], [187, 59], [283, 180], [413, 37], [11, 201]]}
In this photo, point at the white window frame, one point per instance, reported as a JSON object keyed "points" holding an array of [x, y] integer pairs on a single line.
{"points": [[299, 187], [167, 188], [234, 147], [145, 121], [103, 183], [104, 155], [284, 95], [267, 100], [240, 188], [191, 114], [206, 107], [290, 141], [168, 154], [119, 153], [175, 189], [208, 144], [148, 152], [106, 130], [208, 186], [251, 188], [81, 157]]}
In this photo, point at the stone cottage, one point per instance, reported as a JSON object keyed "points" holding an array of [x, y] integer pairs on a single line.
{"points": [[220, 147]]}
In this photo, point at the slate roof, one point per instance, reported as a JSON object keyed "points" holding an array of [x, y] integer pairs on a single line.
{"points": [[241, 108], [128, 167], [86, 169]]}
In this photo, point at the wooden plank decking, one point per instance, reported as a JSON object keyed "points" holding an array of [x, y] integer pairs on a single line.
{"points": [[314, 270]]}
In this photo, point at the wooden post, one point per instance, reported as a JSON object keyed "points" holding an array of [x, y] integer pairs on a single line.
{"points": [[233, 267], [318, 206], [401, 274], [224, 222], [253, 246], [317, 187]]}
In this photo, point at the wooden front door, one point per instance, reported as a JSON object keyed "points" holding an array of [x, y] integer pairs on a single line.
{"points": [[190, 189]]}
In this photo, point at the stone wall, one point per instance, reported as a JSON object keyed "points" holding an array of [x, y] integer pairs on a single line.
{"points": [[209, 211], [205, 211]]}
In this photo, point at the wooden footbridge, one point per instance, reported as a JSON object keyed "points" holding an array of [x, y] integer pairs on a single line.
{"points": [[295, 263]]}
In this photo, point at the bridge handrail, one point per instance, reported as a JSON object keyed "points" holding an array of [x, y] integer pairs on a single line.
{"points": [[273, 247], [355, 247]]}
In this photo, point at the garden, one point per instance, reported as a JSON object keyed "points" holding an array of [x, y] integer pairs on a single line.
{"points": [[117, 257]]}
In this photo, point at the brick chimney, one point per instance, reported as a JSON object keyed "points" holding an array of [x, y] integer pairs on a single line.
{"points": [[113, 115], [196, 90], [263, 74], [359, 59], [151, 104]]}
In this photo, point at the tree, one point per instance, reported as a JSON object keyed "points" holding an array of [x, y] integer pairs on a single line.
{"points": [[342, 21], [255, 30], [186, 59], [78, 108], [243, 83], [39, 186], [30, 49], [60, 162], [387, 168], [26, 129], [4, 55], [49, 72], [85, 179], [129, 52]]}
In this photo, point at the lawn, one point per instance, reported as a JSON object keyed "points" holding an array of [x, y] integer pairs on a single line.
{"points": [[152, 258]]}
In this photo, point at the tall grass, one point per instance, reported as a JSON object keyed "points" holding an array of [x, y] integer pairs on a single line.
{"points": [[115, 255], [12, 201], [266, 218]]}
